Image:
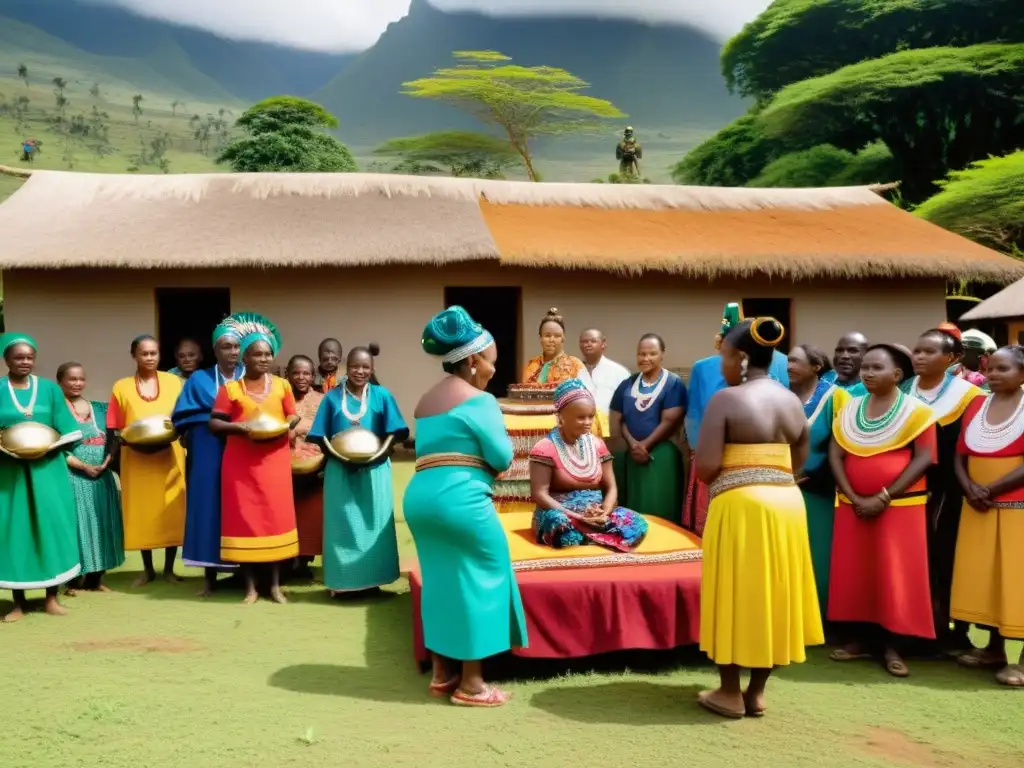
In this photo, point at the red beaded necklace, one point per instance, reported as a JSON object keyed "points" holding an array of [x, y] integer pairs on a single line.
{"points": [[138, 389]]}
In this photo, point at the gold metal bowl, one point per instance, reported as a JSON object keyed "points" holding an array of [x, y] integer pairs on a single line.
{"points": [[151, 431], [28, 440], [307, 465], [266, 427], [355, 444]]}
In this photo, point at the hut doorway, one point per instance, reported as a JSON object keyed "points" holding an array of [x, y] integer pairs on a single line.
{"points": [[497, 310], [189, 313]]}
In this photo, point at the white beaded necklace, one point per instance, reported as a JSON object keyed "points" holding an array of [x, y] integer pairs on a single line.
{"points": [[582, 463], [33, 384], [983, 437], [904, 407], [364, 402], [643, 402]]}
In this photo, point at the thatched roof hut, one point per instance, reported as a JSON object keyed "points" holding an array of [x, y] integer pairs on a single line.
{"points": [[363, 256]]}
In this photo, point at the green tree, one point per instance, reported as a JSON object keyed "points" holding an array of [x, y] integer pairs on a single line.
{"points": [[23, 73], [286, 133], [137, 100], [828, 166], [525, 103], [60, 99], [796, 40], [732, 157], [984, 202], [452, 153]]}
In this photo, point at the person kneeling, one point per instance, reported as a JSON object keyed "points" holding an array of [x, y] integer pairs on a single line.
{"points": [[572, 482]]}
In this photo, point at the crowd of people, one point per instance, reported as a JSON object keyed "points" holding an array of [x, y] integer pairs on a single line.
{"points": [[871, 498]]}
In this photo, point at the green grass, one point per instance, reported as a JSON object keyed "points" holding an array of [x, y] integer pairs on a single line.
{"points": [[157, 677]]}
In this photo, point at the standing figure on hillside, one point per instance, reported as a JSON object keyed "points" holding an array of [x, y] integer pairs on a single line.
{"points": [[360, 543], [152, 479], [629, 153], [191, 418], [38, 528], [255, 415]]}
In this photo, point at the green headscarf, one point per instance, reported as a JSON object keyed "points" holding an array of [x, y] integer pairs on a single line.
{"points": [[732, 316], [8, 340], [453, 336]]}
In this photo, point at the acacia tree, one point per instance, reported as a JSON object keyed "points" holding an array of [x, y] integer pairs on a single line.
{"points": [[984, 202], [286, 133], [455, 153], [524, 103], [23, 73]]}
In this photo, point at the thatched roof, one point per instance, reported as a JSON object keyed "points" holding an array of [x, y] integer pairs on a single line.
{"points": [[213, 220], [1008, 303]]}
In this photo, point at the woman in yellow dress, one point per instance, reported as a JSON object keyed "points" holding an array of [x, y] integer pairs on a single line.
{"points": [[553, 365], [152, 481], [758, 603], [988, 573]]}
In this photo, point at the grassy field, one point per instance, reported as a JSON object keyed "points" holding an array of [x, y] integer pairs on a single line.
{"points": [[157, 677]]}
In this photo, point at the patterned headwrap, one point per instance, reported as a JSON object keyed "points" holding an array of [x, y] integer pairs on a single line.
{"points": [[569, 392], [8, 340], [250, 328], [223, 330], [975, 339], [453, 336]]}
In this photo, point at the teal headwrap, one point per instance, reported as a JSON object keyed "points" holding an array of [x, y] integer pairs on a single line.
{"points": [[223, 330], [570, 391], [8, 340], [453, 336], [250, 328]]}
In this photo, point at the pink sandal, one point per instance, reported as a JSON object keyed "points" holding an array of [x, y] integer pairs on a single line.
{"points": [[489, 697], [444, 690]]}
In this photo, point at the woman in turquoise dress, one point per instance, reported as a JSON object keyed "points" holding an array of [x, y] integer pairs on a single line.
{"points": [[38, 521], [360, 543], [470, 603], [97, 498]]}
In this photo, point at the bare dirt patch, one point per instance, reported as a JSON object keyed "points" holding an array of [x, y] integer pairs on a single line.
{"points": [[897, 748], [139, 645]]}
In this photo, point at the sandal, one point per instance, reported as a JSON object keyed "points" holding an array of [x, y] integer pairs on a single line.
{"points": [[979, 658], [896, 667], [841, 654], [1012, 676], [446, 689], [704, 700], [489, 697]]}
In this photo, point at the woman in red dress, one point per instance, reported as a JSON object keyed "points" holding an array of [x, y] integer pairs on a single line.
{"points": [[257, 506], [884, 443]]}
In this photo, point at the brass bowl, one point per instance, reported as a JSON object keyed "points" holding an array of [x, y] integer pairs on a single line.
{"points": [[266, 427], [151, 431], [355, 444], [307, 465], [28, 440]]}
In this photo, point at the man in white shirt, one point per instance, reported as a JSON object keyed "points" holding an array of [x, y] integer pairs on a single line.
{"points": [[606, 374]]}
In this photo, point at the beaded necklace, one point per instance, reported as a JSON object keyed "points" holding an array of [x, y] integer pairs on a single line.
{"points": [[33, 385], [364, 401], [580, 460], [983, 437], [138, 389], [925, 395], [643, 402], [869, 432], [259, 397]]}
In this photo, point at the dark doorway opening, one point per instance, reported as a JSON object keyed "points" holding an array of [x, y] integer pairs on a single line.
{"points": [[780, 309], [189, 313], [497, 310]]}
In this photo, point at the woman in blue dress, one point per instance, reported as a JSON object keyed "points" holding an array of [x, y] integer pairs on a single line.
{"points": [[646, 412], [470, 603], [360, 543], [204, 450]]}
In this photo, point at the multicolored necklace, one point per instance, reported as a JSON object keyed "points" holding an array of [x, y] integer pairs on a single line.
{"points": [[33, 386], [580, 461], [869, 432]]}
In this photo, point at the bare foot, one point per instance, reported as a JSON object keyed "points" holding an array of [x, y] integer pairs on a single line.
{"points": [[250, 598], [101, 588], [70, 592], [724, 704], [16, 615], [754, 704], [278, 596], [54, 608], [172, 578], [144, 578]]}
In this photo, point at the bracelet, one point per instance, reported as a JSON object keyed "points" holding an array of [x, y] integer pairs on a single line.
{"points": [[885, 495]]}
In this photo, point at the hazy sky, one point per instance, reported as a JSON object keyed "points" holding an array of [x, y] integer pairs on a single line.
{"points": [[352, 25]]}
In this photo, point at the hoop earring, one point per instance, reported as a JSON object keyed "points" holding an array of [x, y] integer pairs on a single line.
{"points": [[743, 370]]}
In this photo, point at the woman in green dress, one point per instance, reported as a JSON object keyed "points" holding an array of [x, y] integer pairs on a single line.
{"points": [[97, 498], [38, 522], [470, 603]]}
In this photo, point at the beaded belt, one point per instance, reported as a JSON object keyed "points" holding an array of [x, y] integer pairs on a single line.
{"points": [[740, 477], [451, 460]]}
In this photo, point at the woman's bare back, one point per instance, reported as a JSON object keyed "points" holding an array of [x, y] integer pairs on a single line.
{"points": [[445, 395], [763, 411]]}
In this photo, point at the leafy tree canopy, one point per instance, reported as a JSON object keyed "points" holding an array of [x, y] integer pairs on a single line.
{"points": [[525, 103], [795, 40], [455, 153], [828, 166], [285, 133], [730, 158], [984, 202], [934, 108]]}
